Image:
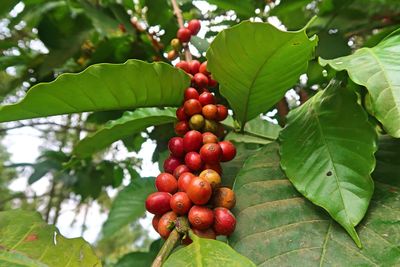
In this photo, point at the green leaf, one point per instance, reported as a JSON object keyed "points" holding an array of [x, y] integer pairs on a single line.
{"points": [[378, 70], [102, 87], [201, 44], [130, 123], [328, 154], [7, 5], [26, 240], [250, 61], [207, 252], [388, 161], [128, 205], [140, 259], [244, 8], [276, 226]]}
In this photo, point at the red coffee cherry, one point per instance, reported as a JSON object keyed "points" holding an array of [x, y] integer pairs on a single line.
{"points": [[158, 203], [214, 166], [224, 221], [194, 26], [184, 180], [193, 161], [212, 83], [192, 107], [223, 197], [228, 151], [212, 177], [184, 35], [191, 93], [199, 191], [208, 233], [155, 221], [165, 182], [181, 115], [183, 65], [180, 169], [210, 112], [203, 68], [209, 138], [180, 203], [200, 80], [194, 66], [175, 145], [210, 153], [166, 224], [192, 141], [182, 127], [200, 217], [222, 112], [171, 163], [206, 98]]}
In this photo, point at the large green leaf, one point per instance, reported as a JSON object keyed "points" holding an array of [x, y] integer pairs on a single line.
{"points": [[140, 259], [328, 154], [102, 87], [128, 205], [244, 8], [251, 62], [276, 226], [26, 240], [129, 124], [207, 252], [378, 70], [388, 161]]}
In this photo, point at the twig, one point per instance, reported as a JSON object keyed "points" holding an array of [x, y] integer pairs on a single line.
{"points": [[178, 14], [166, 248], [303, 96], [283, 110]]}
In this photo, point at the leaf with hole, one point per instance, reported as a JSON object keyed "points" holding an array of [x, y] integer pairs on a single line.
{"points": [[327, 153], [277, 226], [250, 61], [26, 240], [102, 87]]}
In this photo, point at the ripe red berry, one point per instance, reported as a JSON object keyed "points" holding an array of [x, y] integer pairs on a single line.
{"points": [[180, 169], [165, 182], [181, 115], [222, 112], [194, 26], [200, 217], [193, 161], [191, 93], [175, 145], [209, 138], [166, 224], [158, 203], [212, 82], [192, 107], [224, 221], [200, 80], [210, 111], [155, 221], [228, 151], [171, 163], [223, 197], [214, 166], [206, 98], [208, 233], [203, 68], [194, 66], [210, 153], [184, 35], [184, 180], [184, 65], [192, 141], [180, 203], [182, 127], [199, 191]]}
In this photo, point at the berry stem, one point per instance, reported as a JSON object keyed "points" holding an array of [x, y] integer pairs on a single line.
{"points": [[166, 248], [178, 14]]}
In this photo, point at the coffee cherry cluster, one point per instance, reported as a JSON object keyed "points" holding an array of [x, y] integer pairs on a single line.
{"points": [[191, 182], [183, 36]]}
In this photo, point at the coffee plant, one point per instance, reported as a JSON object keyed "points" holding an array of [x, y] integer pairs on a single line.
{"points": [[276, 125]]}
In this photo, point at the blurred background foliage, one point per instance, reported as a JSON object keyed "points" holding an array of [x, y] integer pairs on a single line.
{"points": [[41, 39]]}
